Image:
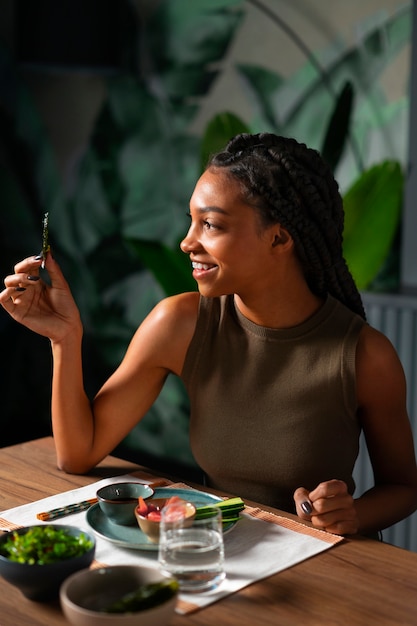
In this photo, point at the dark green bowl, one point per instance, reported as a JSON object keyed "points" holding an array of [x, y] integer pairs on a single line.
{"points": [[118, 501], [42, 582]]}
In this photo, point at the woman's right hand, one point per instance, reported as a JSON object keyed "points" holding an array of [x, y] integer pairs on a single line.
{"points": [[48, 310]]}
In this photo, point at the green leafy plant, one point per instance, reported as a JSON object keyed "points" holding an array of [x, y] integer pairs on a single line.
{"points": [[116, 232], [336, 106], [372, 215]]}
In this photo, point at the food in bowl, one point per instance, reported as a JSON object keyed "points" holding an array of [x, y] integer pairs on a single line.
{"points": [[119, 500], [44, 544], [148, 514], [36, 559], [124, 595]]}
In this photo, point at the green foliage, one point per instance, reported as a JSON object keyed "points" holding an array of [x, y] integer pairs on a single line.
{"points": [[302, 104], [372, 214], [116, 233], [341, 111], [338, 130], [219, 130]]}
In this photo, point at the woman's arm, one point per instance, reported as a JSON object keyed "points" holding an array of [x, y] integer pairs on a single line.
{"points": [[158, 348], [381, 393], [85, 432]]}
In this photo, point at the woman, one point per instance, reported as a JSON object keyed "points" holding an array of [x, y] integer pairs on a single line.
{"points": [[281, 368]]}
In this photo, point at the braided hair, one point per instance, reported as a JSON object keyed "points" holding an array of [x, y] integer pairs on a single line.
{"points": [[291, 184]]}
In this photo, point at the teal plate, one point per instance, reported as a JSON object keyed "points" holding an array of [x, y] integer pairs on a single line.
{"points": [[132, 536]]}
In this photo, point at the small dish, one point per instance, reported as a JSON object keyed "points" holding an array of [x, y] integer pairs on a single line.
{"points": [[87, 596], [119, 500], [151, 526]]}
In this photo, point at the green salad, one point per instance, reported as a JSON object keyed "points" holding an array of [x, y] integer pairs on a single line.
{"points": [[144, 597], [44, 544]]}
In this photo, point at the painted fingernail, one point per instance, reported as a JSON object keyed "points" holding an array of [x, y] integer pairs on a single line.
{"points": [[307, 507], [34, 278], [20, 288]]}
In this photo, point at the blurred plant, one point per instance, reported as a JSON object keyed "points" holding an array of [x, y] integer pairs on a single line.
{"points": [[116, 233], [336, 105]]}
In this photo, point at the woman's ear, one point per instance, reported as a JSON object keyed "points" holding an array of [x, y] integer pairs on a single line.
{"points": [[281, 237]]}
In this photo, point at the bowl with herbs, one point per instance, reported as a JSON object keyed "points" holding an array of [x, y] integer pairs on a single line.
{"points": [[37, 559], [119, 595]]}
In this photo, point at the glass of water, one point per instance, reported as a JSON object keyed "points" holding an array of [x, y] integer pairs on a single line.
{"points": [[192, 550]]}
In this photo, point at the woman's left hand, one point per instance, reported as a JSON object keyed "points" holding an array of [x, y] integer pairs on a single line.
{"points": [[332, 507]]}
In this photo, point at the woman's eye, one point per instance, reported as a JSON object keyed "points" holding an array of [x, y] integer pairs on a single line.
{"points": [[208, 225]]}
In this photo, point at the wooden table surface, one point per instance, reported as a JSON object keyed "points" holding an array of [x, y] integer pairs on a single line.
{"points": [[357, 582]]}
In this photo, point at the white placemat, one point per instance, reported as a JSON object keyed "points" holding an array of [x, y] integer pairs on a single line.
{"points": [[259, 545]]}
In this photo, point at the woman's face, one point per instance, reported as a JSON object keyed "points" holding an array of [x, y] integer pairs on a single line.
{"points": [[229, 249]]}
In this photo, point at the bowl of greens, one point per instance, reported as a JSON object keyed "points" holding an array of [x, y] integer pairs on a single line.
{"points": [[37, 559], [119, 595]]}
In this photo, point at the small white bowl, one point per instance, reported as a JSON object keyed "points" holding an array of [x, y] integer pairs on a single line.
{"points": [[84, 595]]}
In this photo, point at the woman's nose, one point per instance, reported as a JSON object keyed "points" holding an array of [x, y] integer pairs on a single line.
{"points": [[188, 244]]}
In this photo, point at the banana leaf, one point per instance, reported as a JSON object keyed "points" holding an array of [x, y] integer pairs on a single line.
{"points": [[372, 213], [170, 268], [263, 85], [300, 106], [188, 33], [337, 133], [219, 130]]}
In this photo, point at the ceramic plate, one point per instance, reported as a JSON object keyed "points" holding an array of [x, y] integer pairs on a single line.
{"points": [[132, 536]]}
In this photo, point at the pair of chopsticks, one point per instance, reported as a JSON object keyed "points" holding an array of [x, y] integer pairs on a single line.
{"points": [[77, 507], [69, 509]]}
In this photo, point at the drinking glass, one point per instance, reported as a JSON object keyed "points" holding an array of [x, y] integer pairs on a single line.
{"points": [[192, 550]]}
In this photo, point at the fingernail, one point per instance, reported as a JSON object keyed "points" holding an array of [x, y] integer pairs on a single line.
{"points": [[20, 288], [307, 507], [34, 278], [38, 257]]}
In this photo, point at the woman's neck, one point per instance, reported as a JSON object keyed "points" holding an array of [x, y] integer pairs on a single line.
{"points": [[283, 309]]}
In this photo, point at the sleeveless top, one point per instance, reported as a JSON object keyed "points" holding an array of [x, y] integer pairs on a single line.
{"points": [[273, 409]]}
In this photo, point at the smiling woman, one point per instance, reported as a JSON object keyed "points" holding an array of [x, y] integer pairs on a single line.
{"points": [[281, 369], [223, 229]]}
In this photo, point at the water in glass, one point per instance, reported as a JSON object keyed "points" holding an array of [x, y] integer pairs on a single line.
{"points": [[193, 552]]}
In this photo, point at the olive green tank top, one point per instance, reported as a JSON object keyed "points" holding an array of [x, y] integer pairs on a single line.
{"points": [[273, 409]]}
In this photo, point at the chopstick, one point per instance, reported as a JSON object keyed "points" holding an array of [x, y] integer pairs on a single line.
{"points": [[62, 511]]}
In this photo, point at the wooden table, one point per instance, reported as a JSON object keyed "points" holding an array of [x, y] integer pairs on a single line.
{"points": [[357, 582]]}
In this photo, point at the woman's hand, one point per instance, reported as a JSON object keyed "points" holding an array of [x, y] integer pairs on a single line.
{"points": [[332, 507], [48, 310]]}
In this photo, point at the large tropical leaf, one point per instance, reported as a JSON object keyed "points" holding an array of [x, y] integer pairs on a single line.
{"points": [[221, 128], [303, 103], [184, 39], [192, 34], [362, 64], [171, 268], [372, 213], [338, 129], [263, 85]]}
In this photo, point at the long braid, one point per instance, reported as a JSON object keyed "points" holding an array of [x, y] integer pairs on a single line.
{"points": [[291, 184]]}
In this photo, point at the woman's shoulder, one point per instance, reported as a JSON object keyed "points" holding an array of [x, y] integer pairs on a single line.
{"points": [[379, 371], [375, 346], [179, 309], [169, 328]]}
